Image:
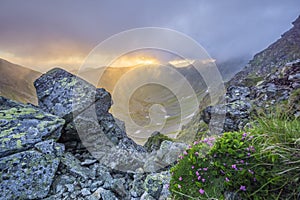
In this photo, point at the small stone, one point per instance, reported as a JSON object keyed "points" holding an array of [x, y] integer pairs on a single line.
{"points": [[96, 185], [147, 196], [70, 187], [85, 192], [88, 162], [102, 193]]}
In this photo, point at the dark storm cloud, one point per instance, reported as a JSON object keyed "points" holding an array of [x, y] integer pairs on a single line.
{"points": [[49, 29]]}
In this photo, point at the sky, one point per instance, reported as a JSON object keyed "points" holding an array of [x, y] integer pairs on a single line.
{"points": [[44, 34]]}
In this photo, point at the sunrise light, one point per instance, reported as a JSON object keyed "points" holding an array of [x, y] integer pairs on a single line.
{"points": [[130, 61]]}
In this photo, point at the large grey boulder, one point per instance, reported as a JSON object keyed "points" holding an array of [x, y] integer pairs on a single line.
{"points": [[65, 95], [85, 109], [166, 156], [22, 126], [29, 174], [29, 154]]}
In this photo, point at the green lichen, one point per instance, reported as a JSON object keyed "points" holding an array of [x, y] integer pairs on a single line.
{"points": [[19, 144], [7, 132], [5, 140], [18, 135], [16, 112], [68, 82]]}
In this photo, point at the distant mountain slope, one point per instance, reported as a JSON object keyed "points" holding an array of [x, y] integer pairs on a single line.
{"points": [[16, 82], [111, 75], [284, 50]]}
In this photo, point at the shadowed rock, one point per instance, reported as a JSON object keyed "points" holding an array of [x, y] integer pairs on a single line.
{"points": [[85, 109]]}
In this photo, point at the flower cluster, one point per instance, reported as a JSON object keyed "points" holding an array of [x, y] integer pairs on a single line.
{"points": [[225, 161]]}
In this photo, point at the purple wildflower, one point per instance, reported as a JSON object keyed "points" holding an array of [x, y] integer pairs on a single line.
{"points": [[243, 188], [201, 191]]}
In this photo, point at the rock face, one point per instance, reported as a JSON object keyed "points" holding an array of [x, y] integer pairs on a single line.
{"points": [[236, 110], [278, 90], [29, 155], [282, 86]]}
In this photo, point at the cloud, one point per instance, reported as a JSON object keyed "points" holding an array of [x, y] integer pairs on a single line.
{"points": [[63, 32]]}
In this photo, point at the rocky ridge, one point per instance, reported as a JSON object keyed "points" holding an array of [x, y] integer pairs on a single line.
{"points": [[284, 50], [71, 147], [278, 90]]}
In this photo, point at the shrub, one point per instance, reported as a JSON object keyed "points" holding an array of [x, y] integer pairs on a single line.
{"points": [[254, 165]]}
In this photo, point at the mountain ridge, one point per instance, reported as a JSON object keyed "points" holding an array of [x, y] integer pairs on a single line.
{"points": [[276, 55], [16, 82]]}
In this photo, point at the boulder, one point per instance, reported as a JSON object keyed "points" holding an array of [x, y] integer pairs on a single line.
{"points": [[85, 109], [166, 155], [29, 174], [153, 143], [156, 185], [29, 154], [22, 126]]}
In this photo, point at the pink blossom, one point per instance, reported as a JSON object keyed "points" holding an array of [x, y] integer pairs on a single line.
{"points": [[227, 179], [203, 180], [204, 169], [179, 186], [193, 166], [199, 177], [197, 173], [201, 191], [180, 178], [185, 153]]}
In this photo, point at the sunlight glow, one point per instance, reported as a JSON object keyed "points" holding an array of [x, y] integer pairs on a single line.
{"points": [[130, 61]]}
